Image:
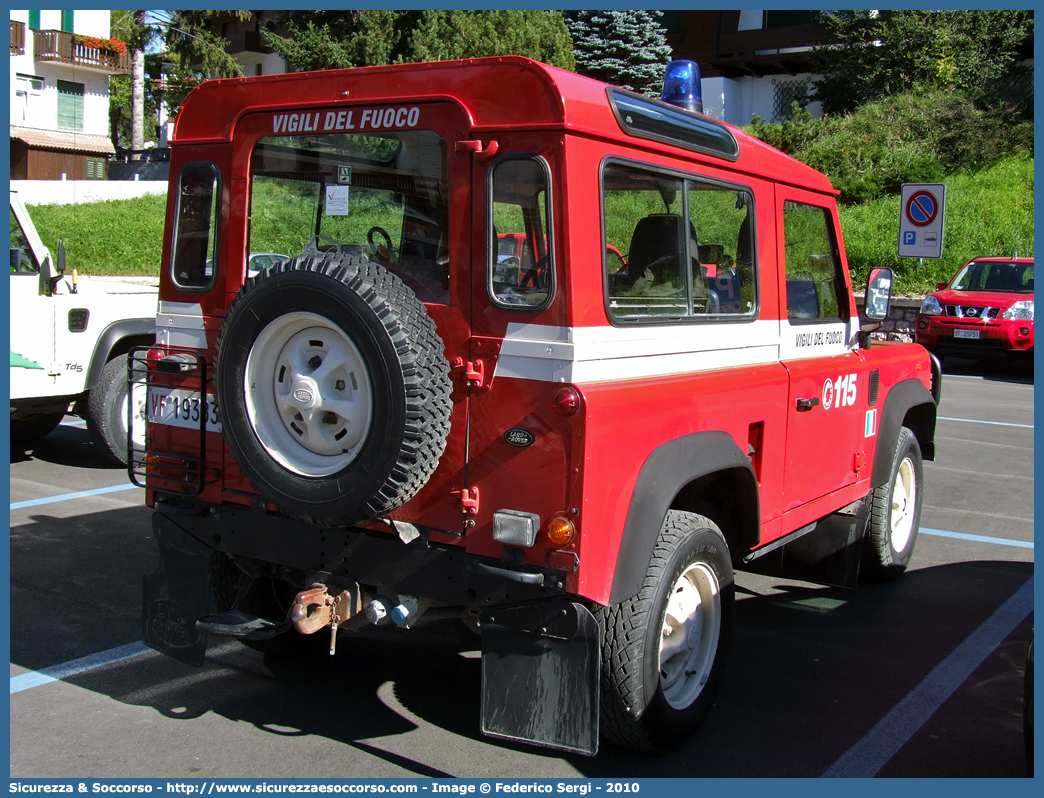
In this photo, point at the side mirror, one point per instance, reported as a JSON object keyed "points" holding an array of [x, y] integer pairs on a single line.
{"points": [[878, 294], [60, 264], [941, 286]]}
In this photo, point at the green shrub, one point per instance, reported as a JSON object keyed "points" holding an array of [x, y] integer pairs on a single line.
{"points": [[916, 137], [989, 212]]}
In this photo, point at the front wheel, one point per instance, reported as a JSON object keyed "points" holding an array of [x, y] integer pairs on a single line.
{"points": [[663, 650], [895, 512], [107, 411]]}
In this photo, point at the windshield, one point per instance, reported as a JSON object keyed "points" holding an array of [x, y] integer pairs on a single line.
{"points": [[1003, 277], [381, 197]]}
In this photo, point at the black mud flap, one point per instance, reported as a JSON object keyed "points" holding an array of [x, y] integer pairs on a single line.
{"points": [[541, 667], [177, 595]]}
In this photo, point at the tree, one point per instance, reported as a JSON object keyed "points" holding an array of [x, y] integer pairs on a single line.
{"points": [[189, 35], [625, 48], [876, 54], [337, 39], [132, 29]]}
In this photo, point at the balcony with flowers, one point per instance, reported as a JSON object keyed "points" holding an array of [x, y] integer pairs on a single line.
{"points": [[86, 52]]}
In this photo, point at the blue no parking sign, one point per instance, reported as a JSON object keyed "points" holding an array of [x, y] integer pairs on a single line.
{"points": [[921, 220]]}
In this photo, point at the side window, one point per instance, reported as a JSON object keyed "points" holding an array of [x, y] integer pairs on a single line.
{"points": [[520, 268], [675, 248], [813, 263], [722, 221], [195, 225]]}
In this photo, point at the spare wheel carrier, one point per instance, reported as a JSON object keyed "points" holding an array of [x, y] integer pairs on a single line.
{"points": [[333, 387]]}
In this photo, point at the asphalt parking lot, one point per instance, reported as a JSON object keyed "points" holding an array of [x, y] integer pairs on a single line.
{"points": [[920, 677]]}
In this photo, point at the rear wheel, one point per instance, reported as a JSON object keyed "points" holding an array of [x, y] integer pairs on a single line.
{"points": [[895, 512], [663, 651]]}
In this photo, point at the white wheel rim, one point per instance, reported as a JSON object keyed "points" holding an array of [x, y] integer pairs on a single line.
{"points": [[308, 394], [138, 397], [904, 502], [689, 635]]}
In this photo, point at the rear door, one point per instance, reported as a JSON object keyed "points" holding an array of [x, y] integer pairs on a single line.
{"points": [[819, 343]]}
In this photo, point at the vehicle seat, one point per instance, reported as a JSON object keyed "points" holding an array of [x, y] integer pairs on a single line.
{"points": [[656, 243]]}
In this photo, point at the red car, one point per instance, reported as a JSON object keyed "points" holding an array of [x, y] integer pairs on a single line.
{"points": [[986, 310]]}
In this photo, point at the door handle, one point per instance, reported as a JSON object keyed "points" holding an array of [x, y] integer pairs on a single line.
{"points": [[804, 405]]}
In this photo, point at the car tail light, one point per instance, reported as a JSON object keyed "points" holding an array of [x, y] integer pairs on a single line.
{"points": [[560, 531], [514, 528], [567, 401]]}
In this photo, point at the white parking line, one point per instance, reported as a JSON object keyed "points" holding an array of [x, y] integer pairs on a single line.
{"points": [[24, 681], [81, 494], [866, 758], [978, 421]]}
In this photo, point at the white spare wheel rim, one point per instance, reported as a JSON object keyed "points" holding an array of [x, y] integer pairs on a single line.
{"points": [[308, 394]]}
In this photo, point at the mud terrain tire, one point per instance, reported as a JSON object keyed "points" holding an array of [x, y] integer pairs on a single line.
{"points": [[333, 387]]}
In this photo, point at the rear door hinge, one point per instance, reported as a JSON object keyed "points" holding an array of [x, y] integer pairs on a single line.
{"points": [[475, 146], [474, 371], [469, 499], [859, 462]]}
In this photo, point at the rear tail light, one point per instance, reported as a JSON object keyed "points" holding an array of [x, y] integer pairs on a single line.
{"points": [[560, 531], [567, 401], [514, 528]]}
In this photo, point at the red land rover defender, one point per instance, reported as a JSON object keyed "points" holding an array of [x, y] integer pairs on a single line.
{"points": [[389, 426]]}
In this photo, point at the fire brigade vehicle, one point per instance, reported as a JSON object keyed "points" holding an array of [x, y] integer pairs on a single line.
{"points": [[70, 339], [390, 426]]}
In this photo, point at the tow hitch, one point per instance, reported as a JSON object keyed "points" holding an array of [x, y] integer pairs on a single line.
{"points": [[315, 609]]}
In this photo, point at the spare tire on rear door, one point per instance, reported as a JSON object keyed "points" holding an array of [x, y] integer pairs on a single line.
{"points": [[333, 388]]}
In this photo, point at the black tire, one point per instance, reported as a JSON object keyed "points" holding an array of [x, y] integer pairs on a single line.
{"points": [[651, 705], [377, 419], [107, 411], [30, 428], [895, 513]]}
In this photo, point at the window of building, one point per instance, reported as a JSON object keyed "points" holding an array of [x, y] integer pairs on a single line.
{"points": [[28, 90], [94, 169], [520, 266], [676, 248], [70, 105], [788, 19], [196, 225], [784, 94], [813, 263]]}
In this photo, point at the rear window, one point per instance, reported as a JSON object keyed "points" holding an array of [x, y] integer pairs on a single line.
{"points": [[382, 197]]}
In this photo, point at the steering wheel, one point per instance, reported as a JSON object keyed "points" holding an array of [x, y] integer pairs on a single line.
{"points": [[312, 247], [378, 231]]}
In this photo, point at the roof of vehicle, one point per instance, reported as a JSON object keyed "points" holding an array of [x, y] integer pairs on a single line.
{"points": [[999, 259], [541, 97]]}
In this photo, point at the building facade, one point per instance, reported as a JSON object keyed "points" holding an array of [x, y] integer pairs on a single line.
{"points": [[60, 67]]}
